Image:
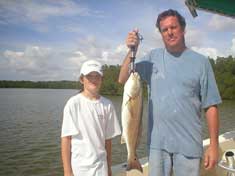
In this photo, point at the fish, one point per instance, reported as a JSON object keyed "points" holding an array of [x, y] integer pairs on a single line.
{"points": [[132, 110]]}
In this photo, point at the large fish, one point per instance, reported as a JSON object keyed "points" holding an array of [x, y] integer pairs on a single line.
{"points": [[132, 108]]}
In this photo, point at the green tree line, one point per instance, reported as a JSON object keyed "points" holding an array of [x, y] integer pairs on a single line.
{"points": [[224, 69], [40, 84]]}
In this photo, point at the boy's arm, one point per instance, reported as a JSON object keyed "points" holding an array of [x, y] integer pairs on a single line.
{"points": [[66, 155], [108, 147]]}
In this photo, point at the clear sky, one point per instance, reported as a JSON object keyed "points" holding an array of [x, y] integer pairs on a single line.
{"points": [[48, 40]]}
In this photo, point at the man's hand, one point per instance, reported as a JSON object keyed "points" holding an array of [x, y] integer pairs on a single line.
{"points": [[132, 39], [211, 156]]}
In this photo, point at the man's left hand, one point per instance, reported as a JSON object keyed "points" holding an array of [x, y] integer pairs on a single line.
{"points": [[211, 156]]}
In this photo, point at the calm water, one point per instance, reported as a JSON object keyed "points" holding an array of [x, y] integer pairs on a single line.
{"points": [[30, 122]]}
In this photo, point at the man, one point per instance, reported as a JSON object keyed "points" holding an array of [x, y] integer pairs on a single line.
{"points": [[180, 84]]}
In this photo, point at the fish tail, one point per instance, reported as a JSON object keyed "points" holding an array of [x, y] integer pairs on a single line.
{"points": [[134, 164]]}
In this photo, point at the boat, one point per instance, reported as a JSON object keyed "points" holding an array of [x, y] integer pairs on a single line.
{"points": [[226, 144], [224, 8]]}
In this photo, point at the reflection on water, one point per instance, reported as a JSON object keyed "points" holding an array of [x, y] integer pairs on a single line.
{"points": [[30, 122]]}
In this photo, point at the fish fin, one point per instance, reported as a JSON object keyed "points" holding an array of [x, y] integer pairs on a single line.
{"points": [[134, 164], [123, 141], [129, 99], [131, 110]]}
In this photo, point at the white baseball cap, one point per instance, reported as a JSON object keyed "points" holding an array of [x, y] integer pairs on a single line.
{"points": [[91, 66]]}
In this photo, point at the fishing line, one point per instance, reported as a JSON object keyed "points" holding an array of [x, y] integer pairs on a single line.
{"points": [[133, 52]]}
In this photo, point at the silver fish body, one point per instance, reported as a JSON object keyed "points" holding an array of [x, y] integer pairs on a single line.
{"points": [[132, 108]]}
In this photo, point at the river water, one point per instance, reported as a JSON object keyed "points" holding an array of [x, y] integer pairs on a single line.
{"points": [[30, 124]]}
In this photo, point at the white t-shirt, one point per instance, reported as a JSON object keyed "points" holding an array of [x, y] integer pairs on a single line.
{"points": [[90, 123]]}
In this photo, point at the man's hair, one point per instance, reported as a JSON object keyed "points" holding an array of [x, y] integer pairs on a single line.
{"points": [[168, 13]]}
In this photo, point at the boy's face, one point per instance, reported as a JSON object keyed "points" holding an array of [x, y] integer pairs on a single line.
{"points": [[92, 81]]}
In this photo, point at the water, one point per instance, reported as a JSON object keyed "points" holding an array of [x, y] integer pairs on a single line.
{"points": [[30, 124]]}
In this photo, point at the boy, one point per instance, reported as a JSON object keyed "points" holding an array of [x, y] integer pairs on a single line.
{"points": [[89, 123]]}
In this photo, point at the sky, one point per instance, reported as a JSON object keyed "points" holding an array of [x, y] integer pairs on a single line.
{"points": [[48, 40]]}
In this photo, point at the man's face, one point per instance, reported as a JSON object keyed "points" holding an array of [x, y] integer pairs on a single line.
{"points": [[172, 34]]}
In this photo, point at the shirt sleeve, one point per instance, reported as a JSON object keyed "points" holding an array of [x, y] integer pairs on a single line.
{"points": [[209, 90], [112, 127], [69, 125]]}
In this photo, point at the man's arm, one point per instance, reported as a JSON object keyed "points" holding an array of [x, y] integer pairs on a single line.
{"points": [[212, 153], [124, 71], [108, 147], [66, 155]]}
